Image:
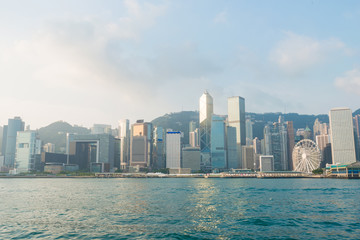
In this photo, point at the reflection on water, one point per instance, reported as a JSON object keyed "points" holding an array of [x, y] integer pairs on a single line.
{"points": [[179, 208]]}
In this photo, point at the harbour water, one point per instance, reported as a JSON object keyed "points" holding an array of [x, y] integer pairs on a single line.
{"points": [[189, 208]]}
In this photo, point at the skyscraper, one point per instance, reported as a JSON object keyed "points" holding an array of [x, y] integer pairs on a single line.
{"points": [[249, 132], [205, 114], [236, 118], [124, 136], [342, 136], [141, 144], [218, 142], [231, 148], [14, 125], [248, 157], [257, 146], [290, 142], [159, 148], [28, 150], [276, 144], [173, 149], [194, 138]]}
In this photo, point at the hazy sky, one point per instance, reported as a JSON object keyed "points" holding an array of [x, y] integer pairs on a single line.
{"points": [[89, 61]]}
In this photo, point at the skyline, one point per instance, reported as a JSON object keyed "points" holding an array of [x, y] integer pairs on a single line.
{"points": [[106, 61]]}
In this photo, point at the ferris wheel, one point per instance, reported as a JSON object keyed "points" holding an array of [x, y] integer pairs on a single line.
{"points": [[306, 156]]}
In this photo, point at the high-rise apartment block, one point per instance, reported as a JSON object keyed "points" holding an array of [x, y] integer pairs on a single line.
{"points": [[342, 136]]}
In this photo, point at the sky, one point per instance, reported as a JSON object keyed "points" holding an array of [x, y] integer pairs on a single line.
{"points": [[99, 61]]}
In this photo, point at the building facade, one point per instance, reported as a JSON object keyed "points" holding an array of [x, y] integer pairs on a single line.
{"points": [[218, 143], [275, 136], [205, 114], [28, 151], [9, 140], [173, 149], [342, 136], [236, 119]]}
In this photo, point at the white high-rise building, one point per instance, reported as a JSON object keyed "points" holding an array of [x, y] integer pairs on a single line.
{"points": [[205, 114], [173, 149], [28, 147], [342, 136], [236, 118]]}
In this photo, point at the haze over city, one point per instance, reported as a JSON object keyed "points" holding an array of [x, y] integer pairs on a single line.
{"points": [[91, 62]]}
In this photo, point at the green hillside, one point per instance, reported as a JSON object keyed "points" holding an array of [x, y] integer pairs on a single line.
{"points": [[180, 121], [56, 133]]}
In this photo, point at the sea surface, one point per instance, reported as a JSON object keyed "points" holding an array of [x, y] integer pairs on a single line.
{"points": [[179, 208]]}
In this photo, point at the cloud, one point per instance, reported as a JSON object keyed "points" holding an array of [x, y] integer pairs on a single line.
{"points": [[138, 18], [350, 82], [76, 69], [296, 54], [221, 17]]}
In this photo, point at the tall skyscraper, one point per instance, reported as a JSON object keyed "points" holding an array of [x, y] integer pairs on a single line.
{"points": [[14, 125], [218, 143], [28, 150], [290, 142], [342, 136], [159, 148], [236, 118], [141, 144], [231, 148], [248, 157], [205, 114], [257, 146], [124, 136], [276, 144], [194, 138], [322, 141], [320, 128], [173, 149], [249, 132], [192, 126]]}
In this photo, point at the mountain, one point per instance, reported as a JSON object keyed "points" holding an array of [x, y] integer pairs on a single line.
{"points": [[56, 133], [180, 121]]}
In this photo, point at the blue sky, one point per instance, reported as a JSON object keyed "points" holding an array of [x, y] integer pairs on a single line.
{"points": [[91, 62]]}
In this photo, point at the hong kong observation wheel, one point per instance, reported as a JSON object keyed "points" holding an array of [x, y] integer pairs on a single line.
{"points": [[306, 156]]}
